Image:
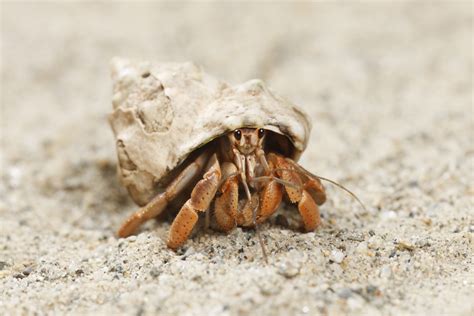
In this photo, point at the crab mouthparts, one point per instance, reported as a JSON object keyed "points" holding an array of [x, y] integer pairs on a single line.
{"points": [[247, 149]]}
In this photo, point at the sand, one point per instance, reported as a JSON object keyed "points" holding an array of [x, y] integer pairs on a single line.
{"points": [[388, 87]]}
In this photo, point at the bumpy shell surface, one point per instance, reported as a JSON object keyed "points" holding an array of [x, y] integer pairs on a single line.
{"points": [[164, 111]]}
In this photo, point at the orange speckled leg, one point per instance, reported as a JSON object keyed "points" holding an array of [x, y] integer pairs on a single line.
{"points": [[245, 216], [294, 193], [302, 192], [316, 189], [311, 184], [309, 212], [226, 205], [270, 199], [201, 197], [265, 203], [159, 203]]}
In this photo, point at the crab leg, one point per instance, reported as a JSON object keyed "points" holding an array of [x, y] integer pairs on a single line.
{"points": [[259, 207], [226, 205], [159, 203], [270, 199], [246, 215], [307, 206], [294, 192], [309, 212], [201, 197], [267, 202], [270, 195], [312, 185]]}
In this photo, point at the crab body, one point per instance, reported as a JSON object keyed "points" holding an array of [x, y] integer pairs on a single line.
{"points": [[235, 148]]}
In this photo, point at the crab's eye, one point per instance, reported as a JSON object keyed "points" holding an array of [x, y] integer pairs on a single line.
{"points": [[261, 133], [237, 134]]}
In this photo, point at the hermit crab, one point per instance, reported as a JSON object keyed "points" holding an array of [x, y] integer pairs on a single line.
{"points": [[228, 151]]}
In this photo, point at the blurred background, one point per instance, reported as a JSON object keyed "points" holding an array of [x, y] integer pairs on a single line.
{"points": [[361, 60], [387, 85]]}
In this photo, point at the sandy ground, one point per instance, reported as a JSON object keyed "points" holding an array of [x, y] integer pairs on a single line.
{"points": [[389, 91]]}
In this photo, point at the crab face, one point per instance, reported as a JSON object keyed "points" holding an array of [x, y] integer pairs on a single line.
{"points": [[247, 140]]}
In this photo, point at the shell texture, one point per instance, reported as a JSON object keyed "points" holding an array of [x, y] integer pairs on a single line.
{"points": [[164, 111]]}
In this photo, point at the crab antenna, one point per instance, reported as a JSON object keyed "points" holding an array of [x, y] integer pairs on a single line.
{"points": [[262, 244], [340, 186], [306, 172], [257, 232]]}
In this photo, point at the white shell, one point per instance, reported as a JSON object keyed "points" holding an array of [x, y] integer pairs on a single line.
{"points": [[164, 111]]}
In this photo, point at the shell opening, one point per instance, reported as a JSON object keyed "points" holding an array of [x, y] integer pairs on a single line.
{"points": [[281, 144]]}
